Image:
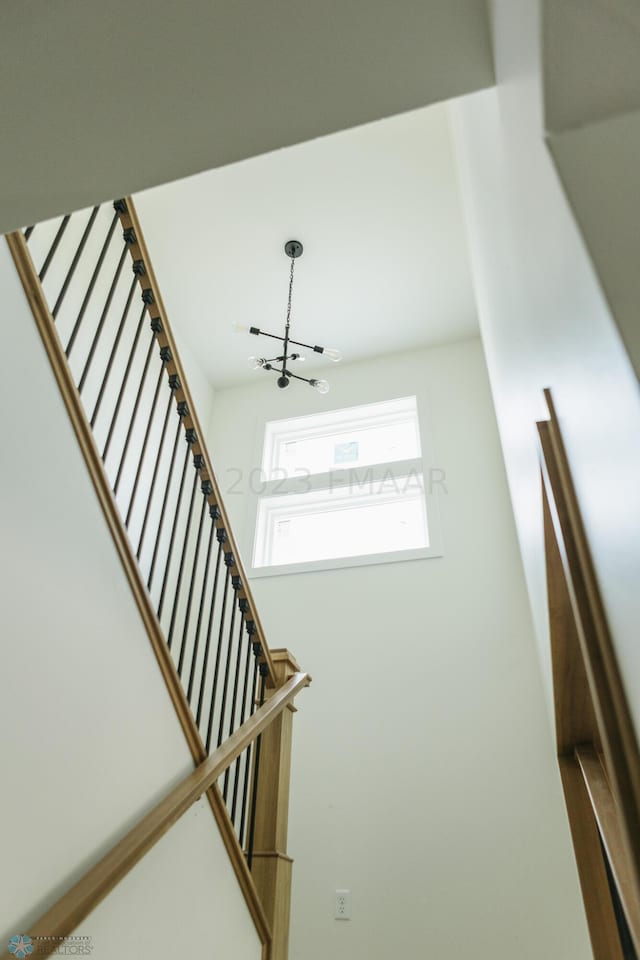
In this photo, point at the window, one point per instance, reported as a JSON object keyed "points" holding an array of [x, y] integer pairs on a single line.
{"points": [[360, 436], [343, 488]]}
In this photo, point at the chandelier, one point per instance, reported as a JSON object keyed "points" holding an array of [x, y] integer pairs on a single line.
{"points": [[280, 364]]}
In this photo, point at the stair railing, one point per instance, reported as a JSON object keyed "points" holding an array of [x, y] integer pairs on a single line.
{"points": [[125, 388], [596, 741]]}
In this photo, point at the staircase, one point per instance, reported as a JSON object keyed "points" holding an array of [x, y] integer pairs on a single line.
{"points": [[93, 294]]}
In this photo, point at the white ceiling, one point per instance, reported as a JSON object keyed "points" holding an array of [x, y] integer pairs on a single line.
{"points": [[100, 99], [385, 264]]}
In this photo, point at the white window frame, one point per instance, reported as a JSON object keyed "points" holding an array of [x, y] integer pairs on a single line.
{"points": [[334, 480], [334, 422]]}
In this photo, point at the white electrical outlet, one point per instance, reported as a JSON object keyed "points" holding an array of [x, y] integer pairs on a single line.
{"points": [[342, 909]]}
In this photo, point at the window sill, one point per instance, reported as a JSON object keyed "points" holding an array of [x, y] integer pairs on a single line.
{"points": [[340, 563]]}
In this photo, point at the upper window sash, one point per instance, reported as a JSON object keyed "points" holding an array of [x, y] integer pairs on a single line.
{"points": [[353, 423]]}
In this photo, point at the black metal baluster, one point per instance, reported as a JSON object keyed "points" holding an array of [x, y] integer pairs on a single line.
{"points": [[206, 491], [228, 560], [54, 246], [164, 357], [190, 437], [134, 412], [173, 386], [235, 584], [257, 649], [165, 499], [250, 626], [92, 282], [221, 537], [182, 407], [183, 553], [114, 350], [214, 513], [101, 321], [28, 232], [256, 774], [243, 606], [74, 262], [123, 385]]}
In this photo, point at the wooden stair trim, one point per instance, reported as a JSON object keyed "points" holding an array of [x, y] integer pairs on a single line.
{"points": [[55, 353]]}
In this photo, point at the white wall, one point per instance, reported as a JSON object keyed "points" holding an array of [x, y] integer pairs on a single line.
{"points": [[424, 776], [599, 169], [545, 323], [89, 737], [175, 901], [591, 74]]}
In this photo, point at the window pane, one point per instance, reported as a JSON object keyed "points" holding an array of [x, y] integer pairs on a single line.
{"points": [[357, 447], [373, 518], [359, 436]]}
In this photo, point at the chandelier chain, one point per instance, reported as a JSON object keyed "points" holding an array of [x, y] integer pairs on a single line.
{"points": [[293, 263]]}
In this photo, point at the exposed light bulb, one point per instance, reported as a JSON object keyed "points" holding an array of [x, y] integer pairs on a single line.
{"points": [[255, 363], [320, 385], [334, 355], [240, 327], [300, 357]]}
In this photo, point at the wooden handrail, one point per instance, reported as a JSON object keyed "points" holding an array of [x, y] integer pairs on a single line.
{"points": [[84, 896], [605, 682], [138, 249], [596, 739], [71, 399], [604, 808]]}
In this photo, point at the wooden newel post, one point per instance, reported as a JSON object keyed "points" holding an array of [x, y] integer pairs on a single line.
{"points": [[271, 867]]}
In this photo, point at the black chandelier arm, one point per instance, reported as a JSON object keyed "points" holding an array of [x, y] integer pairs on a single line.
{"points": [[297, 377], [280, 370], [308, 346], [264, 361]]}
